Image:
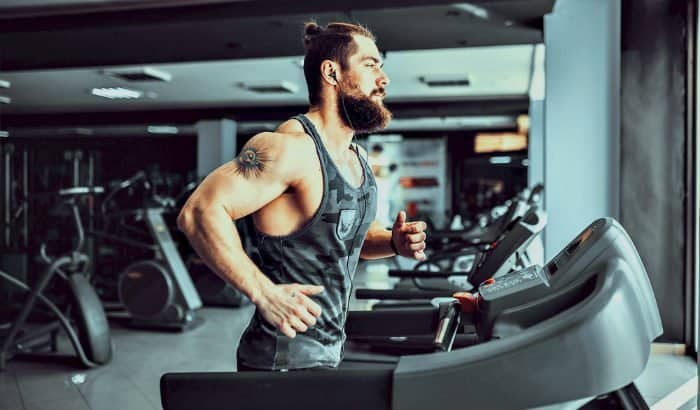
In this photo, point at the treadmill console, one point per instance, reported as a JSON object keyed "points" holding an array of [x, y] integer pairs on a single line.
{"points": [[512, 289], [573, 247]]}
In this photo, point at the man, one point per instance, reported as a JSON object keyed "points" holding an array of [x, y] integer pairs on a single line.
{"points": [[313, 200]]}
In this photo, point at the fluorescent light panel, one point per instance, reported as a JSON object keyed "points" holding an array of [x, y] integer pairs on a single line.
{"points": [[500, 160], [139, 74], [271, 87], [162, 129], [117, 93]]}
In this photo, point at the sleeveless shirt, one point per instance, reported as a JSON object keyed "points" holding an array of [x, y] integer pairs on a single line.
{"points": [[325, 251]]}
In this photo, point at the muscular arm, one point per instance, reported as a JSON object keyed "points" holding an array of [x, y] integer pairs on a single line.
{"points": [[377, 242], [262, 171], [233, 191], [407, 237]]}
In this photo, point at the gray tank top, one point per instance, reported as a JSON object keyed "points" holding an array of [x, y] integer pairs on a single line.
{"points": [[325, 251]]}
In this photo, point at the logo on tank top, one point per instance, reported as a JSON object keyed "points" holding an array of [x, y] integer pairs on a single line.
{"points": [[345, 222]]}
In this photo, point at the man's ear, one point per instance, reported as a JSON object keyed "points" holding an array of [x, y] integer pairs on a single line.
{"points": [[330, 72]]}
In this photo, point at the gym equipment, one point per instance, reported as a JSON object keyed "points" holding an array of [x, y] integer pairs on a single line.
{"points": [[83, 319], [578, 328], [155, 292], [14, 223], [506, 253]]}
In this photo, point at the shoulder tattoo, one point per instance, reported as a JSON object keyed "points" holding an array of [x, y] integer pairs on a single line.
{"points": [[251, 161]]}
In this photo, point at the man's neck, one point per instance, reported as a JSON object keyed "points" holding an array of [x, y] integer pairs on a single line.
{"points": [[336, 135]]}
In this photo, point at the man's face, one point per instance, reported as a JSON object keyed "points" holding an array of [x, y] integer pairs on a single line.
{"points": [[363, 88]]}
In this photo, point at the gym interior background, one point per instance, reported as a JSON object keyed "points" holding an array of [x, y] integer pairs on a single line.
{"points": [[133, 103]]}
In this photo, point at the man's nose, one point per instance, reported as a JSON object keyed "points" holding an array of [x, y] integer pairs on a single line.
{"points": [[383, 80]]}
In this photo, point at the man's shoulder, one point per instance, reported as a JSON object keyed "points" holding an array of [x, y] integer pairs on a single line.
{"points": [[286, 136], [291, 126], [286, 147]]}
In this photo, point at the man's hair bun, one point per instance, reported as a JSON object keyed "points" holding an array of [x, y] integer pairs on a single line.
{"points": [[311, 30]]}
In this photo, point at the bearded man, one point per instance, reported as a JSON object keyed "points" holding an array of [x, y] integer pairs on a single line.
{"points": [[313, 200]]}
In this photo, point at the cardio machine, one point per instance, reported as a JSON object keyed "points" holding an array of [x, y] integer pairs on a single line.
{"points": [[81, 316], [558, 335], [154, 291], [506, 252]]}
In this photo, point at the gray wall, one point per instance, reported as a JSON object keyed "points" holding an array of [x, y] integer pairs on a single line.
{"points": [[653, 142], [216, 144], [581, 111]]}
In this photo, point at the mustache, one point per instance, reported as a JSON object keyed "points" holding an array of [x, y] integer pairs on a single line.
{"points": [[380, 92]]}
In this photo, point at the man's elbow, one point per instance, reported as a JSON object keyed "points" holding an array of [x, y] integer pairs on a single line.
{"points": [[186, 219]]}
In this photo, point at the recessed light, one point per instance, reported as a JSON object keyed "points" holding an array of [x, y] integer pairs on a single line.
{"points": [[162, 129], [270, 87], [114, 93], [500, 160], [139, 74], [445, 80]]}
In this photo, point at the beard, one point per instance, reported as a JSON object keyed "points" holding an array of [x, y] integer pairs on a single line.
{"points": [[360, 112]]}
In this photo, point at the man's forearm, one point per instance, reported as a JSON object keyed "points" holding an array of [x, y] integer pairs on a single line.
{"points": [[377, 244], [214, 237]]}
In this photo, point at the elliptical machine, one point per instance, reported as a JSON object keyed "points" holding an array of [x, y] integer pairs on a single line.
{"points": [[82, 318], [154, 292]]}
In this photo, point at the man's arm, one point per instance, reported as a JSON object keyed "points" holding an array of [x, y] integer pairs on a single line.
{"points": [[263, 170], [377, 243], [408, 238]]}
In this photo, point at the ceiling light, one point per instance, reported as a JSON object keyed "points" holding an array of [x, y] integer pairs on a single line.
{"points": [[5, 100], [4, 134], [4, 84], [475, 11], [139, 74], [500, 160], [445, 80], [270, 87], [114, 93], [162, 129]]}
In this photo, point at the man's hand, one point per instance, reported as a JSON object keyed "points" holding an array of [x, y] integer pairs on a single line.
{"points": [[409, 237], [289, 308]]}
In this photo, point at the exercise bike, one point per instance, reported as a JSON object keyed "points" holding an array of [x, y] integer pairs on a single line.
{"points": [[154, 291], [81, 316]]}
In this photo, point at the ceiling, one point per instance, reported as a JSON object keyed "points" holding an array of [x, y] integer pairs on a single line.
{"points": [[492, 72], [54, 51]]}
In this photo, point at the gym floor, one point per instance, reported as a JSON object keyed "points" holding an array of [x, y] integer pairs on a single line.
{"points": [[131, 380]]}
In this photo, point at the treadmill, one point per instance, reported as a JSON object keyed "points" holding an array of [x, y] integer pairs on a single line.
{"points": [[562, 334], [505, 253]]}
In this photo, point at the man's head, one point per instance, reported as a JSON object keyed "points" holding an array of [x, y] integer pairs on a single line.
{"points": [[342, 62]]}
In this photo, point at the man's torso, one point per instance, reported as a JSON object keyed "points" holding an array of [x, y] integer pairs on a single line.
{"points": [[291, 210]]}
